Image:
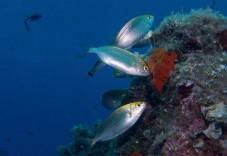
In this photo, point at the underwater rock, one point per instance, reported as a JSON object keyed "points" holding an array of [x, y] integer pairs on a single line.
{"points": [[198, 145], [185, 88], [222, 38], [212, 132], [224, 144], [191, 122], [217, 113], [147, 133], [178, 145], [190, 33]]}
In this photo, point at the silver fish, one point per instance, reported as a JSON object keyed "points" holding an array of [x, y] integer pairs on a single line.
{"points": [[133, 31], [122, 60], [119, 121]]}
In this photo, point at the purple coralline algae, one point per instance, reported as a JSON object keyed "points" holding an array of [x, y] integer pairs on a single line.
{"points": [[189, 116]]}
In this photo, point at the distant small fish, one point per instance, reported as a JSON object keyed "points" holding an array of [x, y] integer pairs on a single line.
{"points": [[122, 60], [33, 17], [112, 99], [119, 121], [134, 31]]}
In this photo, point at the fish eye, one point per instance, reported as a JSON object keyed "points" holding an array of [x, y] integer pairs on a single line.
{"points": [[138, 105], [145, 68], [148, 17]]}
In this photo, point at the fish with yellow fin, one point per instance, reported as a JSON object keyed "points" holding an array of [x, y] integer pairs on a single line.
{"points": [[117, 123]]}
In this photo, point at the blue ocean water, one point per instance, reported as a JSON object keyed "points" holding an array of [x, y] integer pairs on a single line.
{"points": [[44, 87]]}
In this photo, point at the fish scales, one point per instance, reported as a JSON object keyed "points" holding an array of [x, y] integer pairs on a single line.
{"points": [[112, 123], [119, 121], [123, 55], [121, 59], [133, 31]]}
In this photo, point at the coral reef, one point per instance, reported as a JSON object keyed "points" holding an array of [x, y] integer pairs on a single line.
{"points": [[190, 33], [222, 38], [189, 116]]}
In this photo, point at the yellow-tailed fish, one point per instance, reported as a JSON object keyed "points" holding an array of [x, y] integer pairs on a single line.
{"points": [[119, 121], [134, 31], [112, 99], [122, 60]]}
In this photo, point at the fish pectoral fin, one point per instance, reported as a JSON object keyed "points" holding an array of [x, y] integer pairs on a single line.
{"points": [[26, 25]]}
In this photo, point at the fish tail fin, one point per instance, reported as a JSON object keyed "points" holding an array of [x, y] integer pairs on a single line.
{"points": [[86, 48], [81, 55], [27, 17]]}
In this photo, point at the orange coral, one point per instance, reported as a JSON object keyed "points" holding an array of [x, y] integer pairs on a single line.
{"points": [[160, 65], [135, 154]]}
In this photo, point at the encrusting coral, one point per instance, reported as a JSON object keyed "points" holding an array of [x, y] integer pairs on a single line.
{"points": [[188, 116], [190, 33]]}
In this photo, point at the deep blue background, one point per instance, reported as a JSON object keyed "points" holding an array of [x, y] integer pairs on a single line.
{"points": [[44, 89]]}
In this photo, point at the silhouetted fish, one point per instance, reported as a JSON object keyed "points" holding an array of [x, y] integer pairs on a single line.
{"points": [[33, 17]]}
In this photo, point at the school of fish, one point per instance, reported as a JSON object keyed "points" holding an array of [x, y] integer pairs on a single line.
{"points": [[135, 33]]}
